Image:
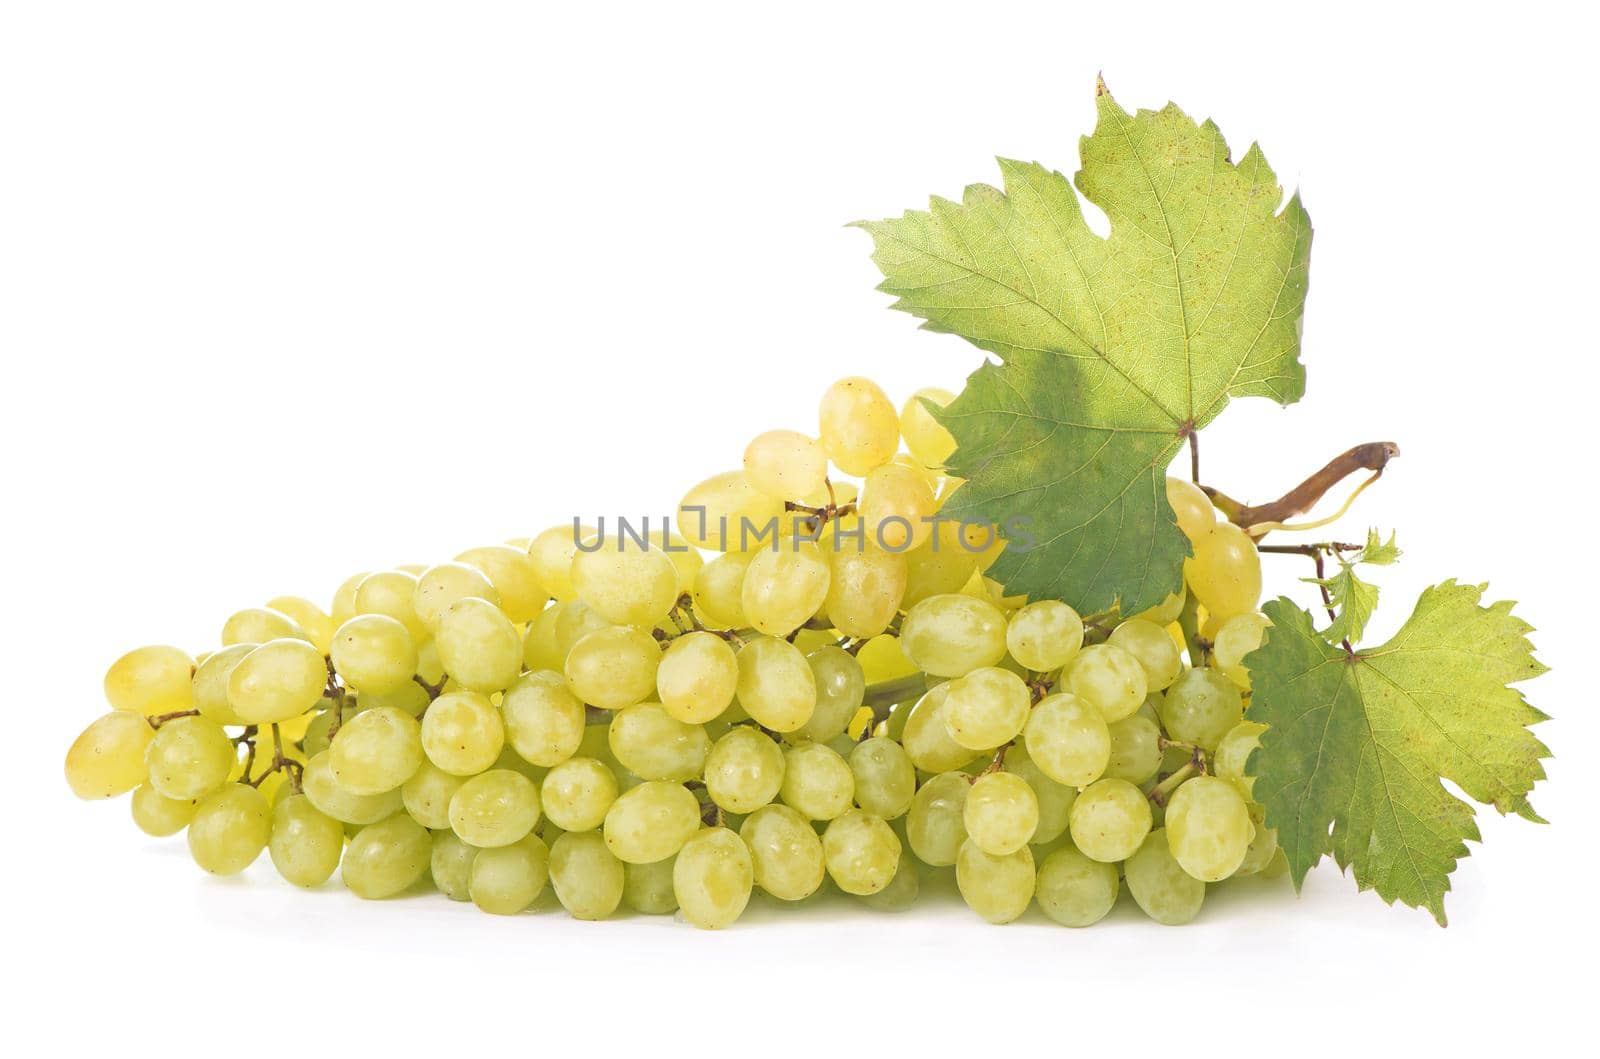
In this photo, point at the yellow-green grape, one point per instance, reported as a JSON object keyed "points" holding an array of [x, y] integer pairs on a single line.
{"points": [[1074, 890], [494, 808], [885, 779], [1225, 571], [861, 851], [1069, 740], [1237, 637], [376, 751], [505, 880], [107, 759], [540, 648], [1208, 828], [386, 858], [278, 680], [718, 592], [1194, 511], [374, 653], [938, 566], [951, 635], [210, 685], [1201, 707], [986, 708], [903, 890], [936, 822], [189, 757], [478, 646], [544, 720], [426, 795], [1107, 678], [305, 843], [514, 576], [1109, 820], [624, 583], [859, 429], [897, 506], [258, 625], [926, 438], [711, 878], [697, 677], [1263, 844], [785, 464], [1055, 799], [576, 620], [343, 607], [229, 829], [552, 552], [1135, 749], [462, 733], [392, 593], [926, 738], [685, 560], [329, 796], [744, 770], [1233, 754], [785, 852], [841, 687], [316, 623], [651, 822], [998, 888], [576, 794], [784, 587], [817, 782], [1159, 885], [652, 744], [647, 888], [1168, 610], [157, 815], [450, 863], [1153, 647], [150, 680], [866, 585], [1001, 813], [776, 686], [587, 877], [1044, 636], [725, 513], [441, 585], [613, 667]]}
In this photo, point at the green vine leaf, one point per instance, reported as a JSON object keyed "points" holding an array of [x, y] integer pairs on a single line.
{"points": [[1357, 745], [1113, 351], [1355, 599]]}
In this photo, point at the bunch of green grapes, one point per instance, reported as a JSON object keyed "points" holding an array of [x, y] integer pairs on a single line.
{"points": [[672, 722]]}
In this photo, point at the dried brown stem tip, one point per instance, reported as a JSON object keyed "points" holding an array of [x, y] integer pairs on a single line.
{"points": [[1373, 456]]}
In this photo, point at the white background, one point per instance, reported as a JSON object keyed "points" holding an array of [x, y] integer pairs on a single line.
{"points": [[292, 290]]}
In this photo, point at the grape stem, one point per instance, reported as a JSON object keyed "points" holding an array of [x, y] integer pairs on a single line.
{"points": [[1194, 455], [162, 718], [1371, 456], [433, 690], [291, 768]]}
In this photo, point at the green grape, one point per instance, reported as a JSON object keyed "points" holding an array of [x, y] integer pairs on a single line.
{"points": [[862, 852], [209, 692], [386, 858], [505, 880], [150, 680], [652, 745], [1154, 648], [866, 584], [450, 863], [544, 720], [1069, 740], [462, 733], [697, 677], [651, 822], [374, 653], [625, 583], [587, 877], [478, 646], [1055, 799], [325, 792], [1160, 887], [726, 512], [939, 566], [494, 808], [1107, 678], [926, 739], [776, 686], [784, 586], [258, 625], [998, 888], [1237, 637], [952, 635], [576, 620], [785, 852], [1001, 813], [711, 878], [1225, 571], [841, 687], [744, 770], [817, 781], [785, 464], [1263, 844], [1074, 890], [858, 427], [885, 779], [897, 506], [986, 708], [159, 816], [1233, 754], [426, 795], [1208, 828], [376, 751], [551, 553], [344, 599], [1201, 707], [718, 592], [514, 576], [540, 648], [392, 593], [614, 667], [1135, 749], [441, 585], [305, 843], [1109, 820], [108, 758], [1195, 514], [278, 680], [229, 829], [1044, 636], [929, 443], [903, 889], [686, 561], [1168, 610], [576, 794], [189, 757], [647, 888]]}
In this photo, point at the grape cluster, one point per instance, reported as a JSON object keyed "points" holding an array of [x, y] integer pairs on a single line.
{"points": [[852, 704]]}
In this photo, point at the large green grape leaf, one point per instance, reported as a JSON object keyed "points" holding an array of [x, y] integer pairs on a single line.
{"points": [[1112, 350], [1357, 744]]}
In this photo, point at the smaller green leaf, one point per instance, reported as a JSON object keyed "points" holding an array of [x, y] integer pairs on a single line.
{"points": [[1378, 552], [1355, 601]]}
